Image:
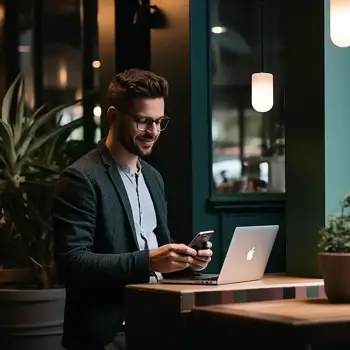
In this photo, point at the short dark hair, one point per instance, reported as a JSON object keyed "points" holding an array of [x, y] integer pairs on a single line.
{"points": [[134, 83]]}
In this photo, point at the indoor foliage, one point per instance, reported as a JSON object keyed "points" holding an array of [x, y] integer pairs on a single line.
{"points": [[33, 152], [335, 237]]}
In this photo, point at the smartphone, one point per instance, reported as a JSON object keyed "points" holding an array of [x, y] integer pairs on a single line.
{"points": [[199, 242]]}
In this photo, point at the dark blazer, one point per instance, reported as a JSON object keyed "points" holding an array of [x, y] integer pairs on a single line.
{"points": [[96, 249]]}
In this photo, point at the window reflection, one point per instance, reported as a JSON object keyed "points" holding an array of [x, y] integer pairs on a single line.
{"points": [[25, 49], [62, 47], [2, 68], [54, 60], [248, 146]]}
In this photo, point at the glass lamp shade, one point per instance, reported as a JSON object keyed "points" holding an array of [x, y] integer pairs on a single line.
{"points": [[262, 91], [340, 22]]}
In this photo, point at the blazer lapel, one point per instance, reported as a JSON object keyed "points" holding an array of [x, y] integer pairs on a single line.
{"points": [[118, 184]]}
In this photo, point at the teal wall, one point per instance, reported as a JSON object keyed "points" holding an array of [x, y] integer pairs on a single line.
{"points": [[317, 131], [337, 120]]}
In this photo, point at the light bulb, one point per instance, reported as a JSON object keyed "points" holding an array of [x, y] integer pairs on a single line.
{"points": [[62, 75], [218, 30], [340, 22], [96, 64], [262, 91]]}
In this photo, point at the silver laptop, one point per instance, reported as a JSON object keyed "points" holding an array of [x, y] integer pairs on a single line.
{"points": [[246, 258]]}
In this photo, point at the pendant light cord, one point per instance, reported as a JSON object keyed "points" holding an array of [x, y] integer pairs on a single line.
{"points": [[262, 33]]}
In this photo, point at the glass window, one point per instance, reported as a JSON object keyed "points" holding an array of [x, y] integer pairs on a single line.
{"points": [[25, 49], [248, 146], [2, 68], [62, 49], [54, 57]]}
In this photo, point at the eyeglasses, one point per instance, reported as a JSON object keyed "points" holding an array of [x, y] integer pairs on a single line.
{"points": [[145, 123]]}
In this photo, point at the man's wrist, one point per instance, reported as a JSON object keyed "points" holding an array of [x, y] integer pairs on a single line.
{"points": [[150, 262]]}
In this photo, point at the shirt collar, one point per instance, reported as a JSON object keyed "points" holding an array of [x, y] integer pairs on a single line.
{"points": [[126, 169]]}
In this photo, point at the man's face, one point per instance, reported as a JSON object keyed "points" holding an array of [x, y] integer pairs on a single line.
{"points": [[134, 128]]}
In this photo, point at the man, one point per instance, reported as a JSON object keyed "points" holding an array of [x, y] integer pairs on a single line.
{"points": [[110, 217]]}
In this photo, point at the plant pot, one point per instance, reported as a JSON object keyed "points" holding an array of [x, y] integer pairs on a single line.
{"points": [[15, 276], [31, 319], [335, 269]]}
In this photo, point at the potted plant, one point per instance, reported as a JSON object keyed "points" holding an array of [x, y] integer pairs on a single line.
{"points": [[33, 151], [334, 256]]}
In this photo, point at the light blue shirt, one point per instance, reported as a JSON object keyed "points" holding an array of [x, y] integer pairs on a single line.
{"points": [[145, 219]]}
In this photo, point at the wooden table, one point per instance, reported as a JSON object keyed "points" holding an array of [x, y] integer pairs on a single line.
{"points": [[281, 324], [156, 314]]}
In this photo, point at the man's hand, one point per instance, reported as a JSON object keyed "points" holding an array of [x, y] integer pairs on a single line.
{"points": [[201, 261], [171, 258]]}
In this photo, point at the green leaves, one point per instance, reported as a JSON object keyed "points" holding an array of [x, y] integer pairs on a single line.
{"points": [[21, 137], [31, 152], [335, 237]]}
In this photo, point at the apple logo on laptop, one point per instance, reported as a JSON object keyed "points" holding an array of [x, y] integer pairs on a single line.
{"points": [[250, 254]]}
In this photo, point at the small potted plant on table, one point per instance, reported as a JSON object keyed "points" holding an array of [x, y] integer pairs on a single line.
{"points": [[334, 256]]}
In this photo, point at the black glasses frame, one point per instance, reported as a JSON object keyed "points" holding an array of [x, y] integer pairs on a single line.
{"points": [[148, 121]]}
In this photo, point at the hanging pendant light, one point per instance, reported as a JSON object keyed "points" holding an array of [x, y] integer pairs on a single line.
{"points": [[262, 91], [340, 22], [262, 83]]}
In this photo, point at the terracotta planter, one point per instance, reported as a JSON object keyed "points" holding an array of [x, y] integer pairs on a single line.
{"points": [[31, 319], [335, 269]]}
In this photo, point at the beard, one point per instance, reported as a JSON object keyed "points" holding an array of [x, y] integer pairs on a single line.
{"points": [[141, 145]]}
